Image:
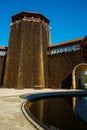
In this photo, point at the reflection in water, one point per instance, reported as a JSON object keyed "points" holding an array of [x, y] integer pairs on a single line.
{"points": [[81, 109], [57, 112]]}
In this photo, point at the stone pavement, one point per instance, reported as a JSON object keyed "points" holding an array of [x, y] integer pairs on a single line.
{"points": [[11, 116]]}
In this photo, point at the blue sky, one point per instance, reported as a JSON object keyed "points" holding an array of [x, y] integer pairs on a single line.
{"points": [[68, 18]]}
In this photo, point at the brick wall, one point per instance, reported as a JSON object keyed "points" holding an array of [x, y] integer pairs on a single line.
{"points": [[12, 62], [35, 54], [2, 65], [26, 65], [60, 68]]}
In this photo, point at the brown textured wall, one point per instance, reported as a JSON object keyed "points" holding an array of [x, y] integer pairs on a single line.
{"points": [[26, 65], [84, 53], [60, 68], [12, 62], [34, 54], [2, 62]]}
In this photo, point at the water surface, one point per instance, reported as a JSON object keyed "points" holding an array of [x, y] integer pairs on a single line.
{"points": [[59, 112]]}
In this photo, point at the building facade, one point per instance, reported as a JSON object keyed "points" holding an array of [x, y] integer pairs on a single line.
{"points": [[31, 61]]}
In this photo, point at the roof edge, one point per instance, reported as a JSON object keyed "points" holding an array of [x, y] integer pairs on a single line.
{"points": [[30, 14], [70, 42]]}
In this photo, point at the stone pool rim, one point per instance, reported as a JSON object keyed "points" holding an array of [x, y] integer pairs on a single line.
{"points": [[30, 97]]}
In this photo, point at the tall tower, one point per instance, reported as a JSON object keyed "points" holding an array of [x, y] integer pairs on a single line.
{"points": [[26, 65]]}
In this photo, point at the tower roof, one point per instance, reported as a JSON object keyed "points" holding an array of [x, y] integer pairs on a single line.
{"points": [[29, 14]]}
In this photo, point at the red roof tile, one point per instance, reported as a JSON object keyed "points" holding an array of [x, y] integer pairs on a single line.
{"points": [[3, 48], [71, 42]]}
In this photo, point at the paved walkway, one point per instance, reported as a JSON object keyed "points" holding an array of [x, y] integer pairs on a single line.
{"points": [[11, 116]]}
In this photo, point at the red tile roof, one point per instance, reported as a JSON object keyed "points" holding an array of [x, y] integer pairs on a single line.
{"points": [[3, 48], [71, 42]]}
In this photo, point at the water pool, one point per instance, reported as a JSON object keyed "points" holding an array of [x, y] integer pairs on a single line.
{"points": [[60, 112]]}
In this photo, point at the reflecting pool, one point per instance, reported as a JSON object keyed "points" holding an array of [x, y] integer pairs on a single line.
{"points": [[65, 113]]}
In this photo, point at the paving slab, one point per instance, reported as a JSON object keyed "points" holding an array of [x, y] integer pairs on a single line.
{"points": [[11, 116]]}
